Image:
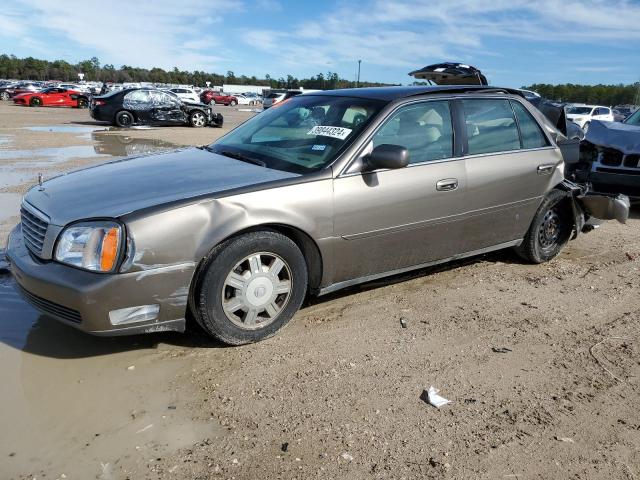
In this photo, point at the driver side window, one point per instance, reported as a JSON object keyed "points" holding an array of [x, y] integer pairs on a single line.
{"points": [[424, 129]]}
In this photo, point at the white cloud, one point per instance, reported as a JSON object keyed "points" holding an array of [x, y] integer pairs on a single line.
{"points": [[163, 33], [403, 33]]}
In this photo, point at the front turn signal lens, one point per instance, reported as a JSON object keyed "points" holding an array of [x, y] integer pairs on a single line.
{"points": [[110, 246]]}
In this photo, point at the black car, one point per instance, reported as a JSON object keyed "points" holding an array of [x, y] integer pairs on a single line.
{"points": [[146, 106]]}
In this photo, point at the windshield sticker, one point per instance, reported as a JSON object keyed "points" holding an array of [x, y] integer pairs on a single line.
{"points": [[333, 132], [319, 148]]}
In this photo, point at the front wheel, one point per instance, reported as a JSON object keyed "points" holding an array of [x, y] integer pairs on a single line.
{"points": [[124, 119], [197, 119], [251, 287], [550, 229], [82, 103], [35, 102], [5, 96], [585, 129], [233, 103]]}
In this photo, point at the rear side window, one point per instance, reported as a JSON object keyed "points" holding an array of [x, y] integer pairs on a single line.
{"points": [[491, 126], [137, 100], [532, 136]]}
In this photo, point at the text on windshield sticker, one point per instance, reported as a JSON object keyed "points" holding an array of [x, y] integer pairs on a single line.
{"points": [[333, 132]]}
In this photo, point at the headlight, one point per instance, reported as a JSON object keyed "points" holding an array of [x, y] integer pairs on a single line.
{"points": [[93, 246]]}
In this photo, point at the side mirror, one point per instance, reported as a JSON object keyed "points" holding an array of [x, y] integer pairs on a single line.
{"points": [[387, 156]]}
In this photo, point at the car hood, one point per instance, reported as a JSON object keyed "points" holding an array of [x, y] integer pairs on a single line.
{"points": [[123, 186], [620, 136]]}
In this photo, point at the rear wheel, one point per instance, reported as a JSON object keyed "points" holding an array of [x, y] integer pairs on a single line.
{"points": [[233, 103], [586, 127], [197, 119], [550, 229], [124, 119], [82, 103], [251, 287], [35, 102], [4, 96]]}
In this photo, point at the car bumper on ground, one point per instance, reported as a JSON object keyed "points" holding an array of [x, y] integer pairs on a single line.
{"points": [[98, 303]]}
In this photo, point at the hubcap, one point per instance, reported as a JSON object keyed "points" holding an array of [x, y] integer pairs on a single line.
{"points": [[256, 290], [549, 231], [198, 119]]}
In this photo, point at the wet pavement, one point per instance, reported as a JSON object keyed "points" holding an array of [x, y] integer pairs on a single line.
{"points": [[76, 405], [87, 406]]}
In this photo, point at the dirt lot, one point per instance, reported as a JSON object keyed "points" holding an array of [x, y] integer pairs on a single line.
{"points": [[542, 364]]}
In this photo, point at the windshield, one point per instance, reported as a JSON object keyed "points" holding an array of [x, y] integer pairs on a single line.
{"points": [[301, 135], [633, 119], [579, 110]]}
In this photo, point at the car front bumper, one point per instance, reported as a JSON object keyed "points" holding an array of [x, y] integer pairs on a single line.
{"points": [[609, 182], [85, 300]]}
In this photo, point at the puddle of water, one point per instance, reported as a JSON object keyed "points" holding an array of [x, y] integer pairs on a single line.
{"points": [[71, 405], [122, 146], [65, 128], [10, 177], [24, 163], [54, 154], [9, 205]]}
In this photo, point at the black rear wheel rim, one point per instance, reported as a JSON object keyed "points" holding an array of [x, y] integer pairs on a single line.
{"points": [[550, 230]]}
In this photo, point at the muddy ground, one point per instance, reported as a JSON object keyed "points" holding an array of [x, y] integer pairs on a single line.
{"points": [[541, 363]]}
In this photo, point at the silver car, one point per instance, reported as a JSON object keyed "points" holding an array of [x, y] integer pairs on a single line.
{"points": [[326, 191]]}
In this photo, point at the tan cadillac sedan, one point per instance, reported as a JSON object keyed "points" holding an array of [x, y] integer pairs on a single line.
{"points": [[323, 191]]}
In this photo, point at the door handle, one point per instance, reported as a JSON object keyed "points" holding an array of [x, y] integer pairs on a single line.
{"points": [[447, 184], [545, 169]]}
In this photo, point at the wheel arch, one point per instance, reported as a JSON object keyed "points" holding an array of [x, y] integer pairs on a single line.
{"points": [[115, 114], [309, 248], [304, 241]]}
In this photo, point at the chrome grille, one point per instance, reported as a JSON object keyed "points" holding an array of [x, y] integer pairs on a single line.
{"points": [[34, 229]]}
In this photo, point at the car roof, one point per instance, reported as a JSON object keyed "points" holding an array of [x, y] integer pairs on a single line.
{"points": [[394, 93]]}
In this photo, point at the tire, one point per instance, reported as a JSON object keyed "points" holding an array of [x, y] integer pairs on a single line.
{"points": [[35, 102], [585, 129], [247, 272], [233, 103], [124, 119], [550, 229], [5, 96], [197, 119], [83, 103]]}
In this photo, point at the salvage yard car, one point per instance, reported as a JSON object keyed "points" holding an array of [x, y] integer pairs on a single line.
{"points": [[145, 106], [583, 115], [610, 157], [53, 97], [329, 190]]}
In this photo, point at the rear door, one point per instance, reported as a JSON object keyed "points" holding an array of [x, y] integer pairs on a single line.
{"points": [[511, 164], [389, 220]]}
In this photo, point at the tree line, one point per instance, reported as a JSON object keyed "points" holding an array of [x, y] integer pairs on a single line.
{"points": [[608, 95], [31, 68]]}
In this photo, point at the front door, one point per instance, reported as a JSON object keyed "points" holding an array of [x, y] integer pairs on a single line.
{"points": [[167, 109], [393, 219]]}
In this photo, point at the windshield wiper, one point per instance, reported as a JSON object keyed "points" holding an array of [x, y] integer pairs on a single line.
{"points": [[240, 156]]}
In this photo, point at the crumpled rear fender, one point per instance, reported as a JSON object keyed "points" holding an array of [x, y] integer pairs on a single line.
{"points": [[587, 205]]}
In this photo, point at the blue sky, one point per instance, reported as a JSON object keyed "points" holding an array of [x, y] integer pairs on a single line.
{"points": [[514, 42]]}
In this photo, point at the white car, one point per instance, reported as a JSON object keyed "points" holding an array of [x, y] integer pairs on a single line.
{"points": [[186, 94], [246, 100], [584, 114]]}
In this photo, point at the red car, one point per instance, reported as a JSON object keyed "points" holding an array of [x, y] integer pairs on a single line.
{"points": [[53, 97], [209, 96]]}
